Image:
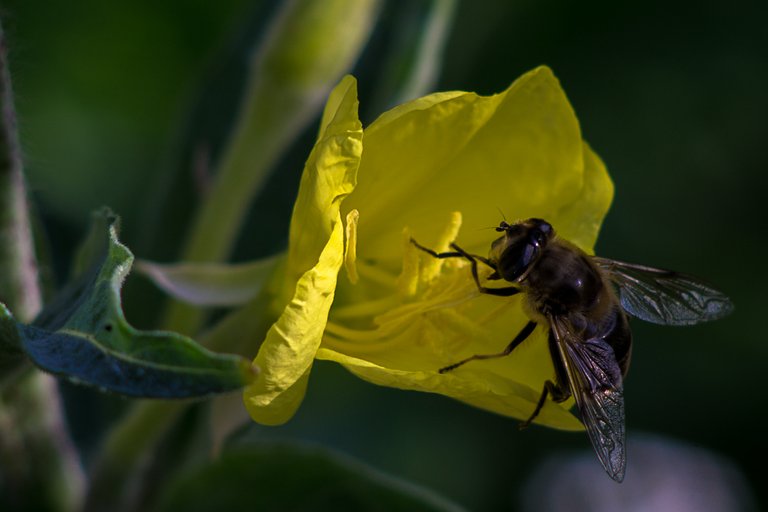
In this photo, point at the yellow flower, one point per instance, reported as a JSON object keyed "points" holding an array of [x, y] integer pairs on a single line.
{"points": [[440, 169]]}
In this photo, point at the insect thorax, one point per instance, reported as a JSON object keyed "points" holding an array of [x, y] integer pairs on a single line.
{"points": [[564, 280]]}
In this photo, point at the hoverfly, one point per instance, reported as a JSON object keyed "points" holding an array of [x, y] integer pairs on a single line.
{"points": [[584, 301]]}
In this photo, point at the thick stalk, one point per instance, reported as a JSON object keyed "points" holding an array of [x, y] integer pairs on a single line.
{"points": [[307, 49], [116, 476], [38, 462]]}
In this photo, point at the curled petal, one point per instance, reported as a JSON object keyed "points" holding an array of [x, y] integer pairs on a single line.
{"points": [[315, 256]]}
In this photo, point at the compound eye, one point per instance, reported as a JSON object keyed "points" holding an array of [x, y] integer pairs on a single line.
{"points": [[538, 237], [540, 234], [516, 259]]}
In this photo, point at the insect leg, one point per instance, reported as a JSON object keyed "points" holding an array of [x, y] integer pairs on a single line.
{"points": [[458, 252], [521, 336], [507, 291], [557, 390], [435, 254], [550, 388]]}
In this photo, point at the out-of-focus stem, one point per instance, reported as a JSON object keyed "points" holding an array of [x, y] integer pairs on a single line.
{"points": [[307, 49], [19, 287], [39, 464], [116, 475], [428, 53]]}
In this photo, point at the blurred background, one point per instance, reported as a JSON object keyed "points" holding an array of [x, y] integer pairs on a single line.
{"points": [[126, 104]]}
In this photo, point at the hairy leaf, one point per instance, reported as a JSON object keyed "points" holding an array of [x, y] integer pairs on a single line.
{"points": [[83, 335]]}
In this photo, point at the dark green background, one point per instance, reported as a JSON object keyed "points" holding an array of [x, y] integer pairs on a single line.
{"points": [[673, 96]]}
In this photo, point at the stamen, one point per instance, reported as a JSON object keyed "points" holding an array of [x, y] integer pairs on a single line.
{"points": [[367, 308], [424, 305], [375, 274], [408, 280], [431, 266], [463, 330], [350, 255], [506, 307], [358, 335], [343, 345], [350, 334], [448, 297]]}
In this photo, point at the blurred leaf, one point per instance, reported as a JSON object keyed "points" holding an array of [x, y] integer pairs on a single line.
{"points": [[82, 334], [210, 284], [290, 477]]}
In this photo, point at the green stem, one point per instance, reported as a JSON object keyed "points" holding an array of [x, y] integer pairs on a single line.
{"points": [[428, 52], [413, 64], [38, 461], [19, 287], [310, 44], [116, 475]]}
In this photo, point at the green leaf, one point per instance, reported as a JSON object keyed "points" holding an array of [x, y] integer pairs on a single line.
{"points": [[83, 335], [290, 477], [211, 284]]}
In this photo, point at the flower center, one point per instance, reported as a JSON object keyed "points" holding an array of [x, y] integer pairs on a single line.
{"points": [[433, 304]]}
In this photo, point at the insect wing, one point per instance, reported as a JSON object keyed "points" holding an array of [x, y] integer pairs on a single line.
{"points": [[663, 296], [596, 383]]}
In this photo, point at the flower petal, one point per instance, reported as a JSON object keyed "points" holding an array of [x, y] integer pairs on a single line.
{"points": [[329, 176], [519, 151], [481, 389], [580, 220], [412, 342], [315, 255]]}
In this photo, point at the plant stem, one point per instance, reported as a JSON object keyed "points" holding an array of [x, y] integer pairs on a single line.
{"points": [[310, 44], [39, 463], [19, 286], [116, 476]]}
